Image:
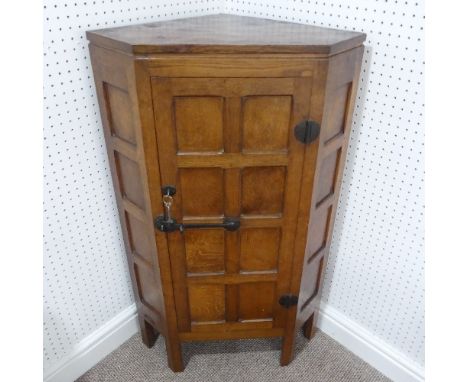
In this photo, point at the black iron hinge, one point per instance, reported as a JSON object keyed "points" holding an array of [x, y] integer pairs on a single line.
{"points": [[288, 300], [307, 131]]}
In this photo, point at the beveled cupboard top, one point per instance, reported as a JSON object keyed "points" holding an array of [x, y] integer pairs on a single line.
{"points": [[225, 34]]}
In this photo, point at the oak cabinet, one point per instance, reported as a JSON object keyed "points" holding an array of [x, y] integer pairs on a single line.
{"points": [[226, 138]]}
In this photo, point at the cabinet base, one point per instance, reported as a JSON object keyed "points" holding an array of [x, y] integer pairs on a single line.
{"points": [[174, 350], [287, 350], [308, 329], [149, 335]]}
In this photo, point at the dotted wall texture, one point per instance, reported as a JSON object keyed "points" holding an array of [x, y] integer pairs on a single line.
{"points": [[86, 279], [375, 272]]}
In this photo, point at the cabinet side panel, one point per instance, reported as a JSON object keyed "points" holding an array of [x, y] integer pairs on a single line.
{"points": [[338, 105], [115, 86], [333, 92], [143, 96]]}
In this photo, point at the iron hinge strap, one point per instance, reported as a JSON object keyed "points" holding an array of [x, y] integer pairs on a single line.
{"points": [[288, 300]]}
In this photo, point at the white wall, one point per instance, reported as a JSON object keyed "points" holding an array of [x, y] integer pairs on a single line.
{"points": [[374, 279], [86, 280], [375, 272]]}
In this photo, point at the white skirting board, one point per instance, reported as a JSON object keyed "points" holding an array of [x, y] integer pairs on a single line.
{"points": [[354, 337], [388, 360], [95, 347]]}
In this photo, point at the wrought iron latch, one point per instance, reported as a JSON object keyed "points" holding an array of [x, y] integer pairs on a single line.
{"points": [[288, 300], [229, 224], [167, 223], [307, 131]]}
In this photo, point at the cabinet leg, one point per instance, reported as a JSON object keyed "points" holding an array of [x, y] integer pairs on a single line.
{"points": [[308, 329], [174, 355], [148, 333], [287, 349]]}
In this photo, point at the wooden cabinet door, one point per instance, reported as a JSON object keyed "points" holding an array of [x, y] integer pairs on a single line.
{"points": [[228, 146]]}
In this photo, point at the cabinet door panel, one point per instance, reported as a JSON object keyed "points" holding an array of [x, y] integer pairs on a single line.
{"points": [[259, 249], [199, 124], [228, 146]]}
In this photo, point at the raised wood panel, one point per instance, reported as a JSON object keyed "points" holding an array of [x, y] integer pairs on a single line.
{"points": [[256, 301], [148, 294], [265, 123], [202, 191], [141, 243], [318, 233], [263, 190], [207, 302], [199, 123], [311, 284], [259, 249], [204, 250], [129, 177], [328, 172], [337, 113], [120, 115]]}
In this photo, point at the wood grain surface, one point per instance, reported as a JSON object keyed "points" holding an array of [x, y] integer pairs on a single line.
{"points": [[226, 34], [209, 105]]}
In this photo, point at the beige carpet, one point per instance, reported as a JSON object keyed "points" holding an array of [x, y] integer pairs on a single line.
{"points": [[320, 360]]}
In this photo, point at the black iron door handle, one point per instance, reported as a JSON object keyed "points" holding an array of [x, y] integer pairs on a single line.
{"points": [[164, 225]]}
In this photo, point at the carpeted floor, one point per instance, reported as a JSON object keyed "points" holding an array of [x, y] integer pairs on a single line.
{"points": [[320, 360]]}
